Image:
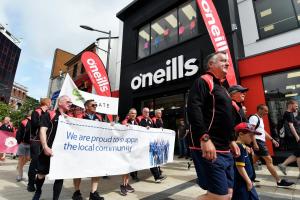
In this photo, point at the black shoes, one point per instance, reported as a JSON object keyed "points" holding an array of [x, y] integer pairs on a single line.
{"points": [[95, 196], [125, 189], [37, 195], [77, 195], [160, 179], [284, 183], [30, 188]]}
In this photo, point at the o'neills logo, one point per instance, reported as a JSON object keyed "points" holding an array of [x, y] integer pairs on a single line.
{"points": [[214, 27], [101, 81], [96, 71], [218, 39], [176, 68]]}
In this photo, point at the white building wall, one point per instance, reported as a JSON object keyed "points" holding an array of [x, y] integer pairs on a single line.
{"points": [[252, 44]]}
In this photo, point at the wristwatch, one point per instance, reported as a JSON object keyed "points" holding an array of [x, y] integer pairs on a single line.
{"points": [[205, 138]]}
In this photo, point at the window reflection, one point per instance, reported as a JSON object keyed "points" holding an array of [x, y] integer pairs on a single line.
{"points": [[187, 21], [277, 94], [164, 32], [144, 40]]}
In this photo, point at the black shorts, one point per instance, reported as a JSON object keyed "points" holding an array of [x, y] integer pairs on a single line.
{"points": [[263, 150], [43, 165], [297, 150]]}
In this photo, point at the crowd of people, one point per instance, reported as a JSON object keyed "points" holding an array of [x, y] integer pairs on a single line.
{"points": [[223, 143]]}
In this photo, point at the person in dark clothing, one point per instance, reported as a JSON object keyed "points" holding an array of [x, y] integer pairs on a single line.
{"points": [[182, 139], [289, 119], [157, 120], [6, 125], [35, 144], [48, 129], [145, 121], [238, 94], [209, 112], [23, 138], [90, 114]]}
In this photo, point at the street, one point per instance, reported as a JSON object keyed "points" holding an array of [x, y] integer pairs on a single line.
{"points": [[180, 185]]}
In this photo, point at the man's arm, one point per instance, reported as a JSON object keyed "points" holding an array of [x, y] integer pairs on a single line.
{"points": [[43, 138], [269, 137], [294, 132]]}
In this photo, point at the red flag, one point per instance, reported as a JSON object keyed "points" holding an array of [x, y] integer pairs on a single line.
{"points": [[97, 74], [8, 142], [216, 33]]}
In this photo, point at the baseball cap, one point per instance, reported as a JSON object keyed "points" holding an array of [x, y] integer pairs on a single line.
{"points": [[246, 127], [237, 88]]}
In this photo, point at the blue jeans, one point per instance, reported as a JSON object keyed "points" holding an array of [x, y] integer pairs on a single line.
{"points": [[182, 146]]}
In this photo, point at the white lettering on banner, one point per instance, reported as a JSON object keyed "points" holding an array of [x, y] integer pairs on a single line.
{"points": [[101, 81], [106, 105], [103, 149], [221, 42], [175, 68]]}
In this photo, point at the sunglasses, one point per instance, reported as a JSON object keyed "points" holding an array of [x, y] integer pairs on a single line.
{"points": [[94, 105]]}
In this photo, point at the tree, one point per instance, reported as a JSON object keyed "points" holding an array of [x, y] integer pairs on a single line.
{"points": [[18, 115]]}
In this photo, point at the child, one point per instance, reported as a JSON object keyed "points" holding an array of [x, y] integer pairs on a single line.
{"points": [[243, 188]]}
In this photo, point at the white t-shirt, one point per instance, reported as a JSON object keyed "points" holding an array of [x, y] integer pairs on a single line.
{"points": [[261, 128]]}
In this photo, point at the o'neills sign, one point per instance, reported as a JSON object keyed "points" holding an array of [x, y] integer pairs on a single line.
{"points": [[176, 68], [216, 33], [96, 72]]}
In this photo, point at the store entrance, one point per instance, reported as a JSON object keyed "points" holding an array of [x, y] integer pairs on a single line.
{"points": [[173, 109]]}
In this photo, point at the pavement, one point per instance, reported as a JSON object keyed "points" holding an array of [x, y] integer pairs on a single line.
{"points": [[179, 185]]}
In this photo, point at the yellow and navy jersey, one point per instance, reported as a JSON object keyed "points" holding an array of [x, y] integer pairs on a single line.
{"points": [[244, 161]]}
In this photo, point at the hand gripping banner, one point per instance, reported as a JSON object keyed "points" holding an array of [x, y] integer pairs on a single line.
{"points": [[215, 29], [97, 74]]}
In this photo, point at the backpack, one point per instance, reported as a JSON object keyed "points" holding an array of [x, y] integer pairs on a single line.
{"points": [[20, 135], [258, 120], [283, 129]]}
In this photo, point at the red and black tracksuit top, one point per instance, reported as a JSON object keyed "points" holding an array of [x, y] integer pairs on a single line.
{"points": [[210, 112]]}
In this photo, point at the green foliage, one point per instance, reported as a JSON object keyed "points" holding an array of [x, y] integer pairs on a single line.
{"points": [[18, 115]]}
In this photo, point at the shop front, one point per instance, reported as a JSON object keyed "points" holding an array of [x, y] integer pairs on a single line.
{"points": [[164, 47], [273, 78]]}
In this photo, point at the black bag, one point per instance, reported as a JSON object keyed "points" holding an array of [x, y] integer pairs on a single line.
{"points": [[20, 136], [284, 129]]}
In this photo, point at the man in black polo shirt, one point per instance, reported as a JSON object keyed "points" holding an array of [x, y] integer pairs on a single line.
{"points": [[90, 114], [48, 128], [290, 126], [35, 144], [146, 121]]}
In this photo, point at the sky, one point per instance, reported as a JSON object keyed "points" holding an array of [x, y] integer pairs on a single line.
{"points": [[43, 26]]}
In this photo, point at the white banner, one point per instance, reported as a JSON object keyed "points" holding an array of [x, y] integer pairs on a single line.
{"points": [[85, 148], [106, 105]]}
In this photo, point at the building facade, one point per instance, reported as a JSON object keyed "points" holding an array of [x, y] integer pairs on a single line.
{"points": [[271, 67], [58, 71], [18, 95], [164, 46], [9, 58]]}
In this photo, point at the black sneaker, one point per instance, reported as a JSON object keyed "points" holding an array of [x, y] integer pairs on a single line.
{"points": [[95, 196], [30, 188], [284, 183], [160, 179], [123, 190], [37, 195], [129, 188], [77, 195]]}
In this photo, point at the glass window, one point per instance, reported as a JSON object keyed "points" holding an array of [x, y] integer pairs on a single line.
{"points": [[82, 70], [297, 9], [275, 16], [188, 21], [75, 71], [164, 31], [144, 41], [277, 94]]}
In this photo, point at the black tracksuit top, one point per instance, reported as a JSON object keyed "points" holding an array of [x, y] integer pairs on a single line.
{"points": [[210, 110]]}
